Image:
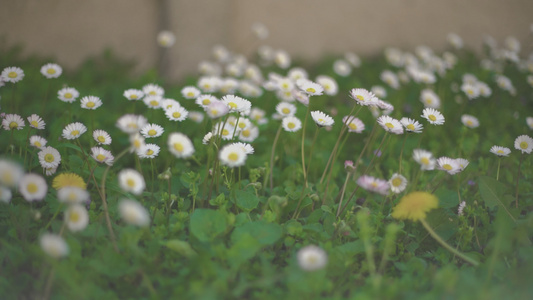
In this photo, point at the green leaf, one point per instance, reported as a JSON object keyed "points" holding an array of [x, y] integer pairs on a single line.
{"points": [[491, 192], [181, 247], [206, 224], [352, 248], [447, 198], [246, 201], [265, 233]]}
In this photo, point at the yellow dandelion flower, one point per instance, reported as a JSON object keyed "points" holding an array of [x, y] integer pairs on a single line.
{"points": [[68, 179], [415, 205]]}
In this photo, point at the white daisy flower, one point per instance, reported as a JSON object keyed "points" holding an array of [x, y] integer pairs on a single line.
{"points": [[54, 245], [286, 109], [397, 183], [260, 31], [484, 89], [461, 208], [236, 103], [90, 102], [354, 124], [190, 92], [205, 100], [50, 171], [225, 130], [353, 59], [149, 151], [433, 116], [411, 125], [217, 109], [49, 157], [136, 141], [207, 138], [72, 195], [430, 99], [68, 94], [449, 165], [197, 116], [152, 130], [176, 114], [166, 39], [51, 71], [379, 91], [424, 158], [131, 181], [153, 102], [309, 87], [36, 122], [529, 122], [228, 85], [5, 194], [471, 90], [342, 68], [470, 121], [102, 137], [311, 258], [102, 156], [37, 141], [524, 143], [209, 84], [331, 88], [249, 134], [363, 97], [321, 119], [258, 115], [248, 149], [291, 124], [180, 145], [455, 40], [297, 73], [390, 78], [133, 94], [282, 59], [232, 155], [285, 84], [505, 84], [32, 187], [74, 130], [133, 213], [153, 90], [10, 173], [130, 123], [500, 151], [375, 185], [169, 103], [390, 124], [12, 74], [76, 217], [12, 122], [463, 163]]}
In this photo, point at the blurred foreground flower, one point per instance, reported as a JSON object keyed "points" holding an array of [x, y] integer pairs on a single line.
{"points": [[311, 258]]}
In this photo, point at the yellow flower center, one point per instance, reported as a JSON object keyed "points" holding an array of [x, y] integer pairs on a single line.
{"points": [[389, 125], [291, 125], [34, 123], [285, 111], [246, 133], [360, 98], [233, 156], [320, 120], [13, 125], [310, 90], [68, 95], [207, 86], [469, 123], [352, 126], [190, 94], [71, 197], [214, 112], [152, 93], [154, 103], [51, 71], [75, 132], [152, 132], [37, 144], [285, 86], [232, 105], [74, 217], [447, 167], [32, 188], [178, 147], [432, 118], [411, 127], [149, 152], [133, 96], [12, 74], [137, 143], [49, 158], [500, 151], [100, 157], [90, 104], [424, 160], [225, 131], [101, 139], [206, 102], [523, 145], [470, 92], [397, 181], [176, 115], [130, 182]]}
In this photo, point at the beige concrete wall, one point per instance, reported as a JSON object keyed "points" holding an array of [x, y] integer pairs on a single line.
{"points": [[70, 30]]}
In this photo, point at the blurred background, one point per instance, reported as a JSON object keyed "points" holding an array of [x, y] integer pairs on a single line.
{"points": [[68, 31]]}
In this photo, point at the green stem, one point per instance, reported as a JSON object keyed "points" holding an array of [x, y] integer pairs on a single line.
{"points": [[272, 158], [446, 245], [498, 172], [401, 154], [302, 147], [518, 178]]}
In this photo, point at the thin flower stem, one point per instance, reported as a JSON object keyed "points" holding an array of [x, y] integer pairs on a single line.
{"points": [[518, 179], [271, 166], [401, 155], [498, 172], [446, 245], [343, 191], [27, 143], [331, 170], [43, 108], [104, 202], [302, 147], [310, 155], [54, 216]]}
